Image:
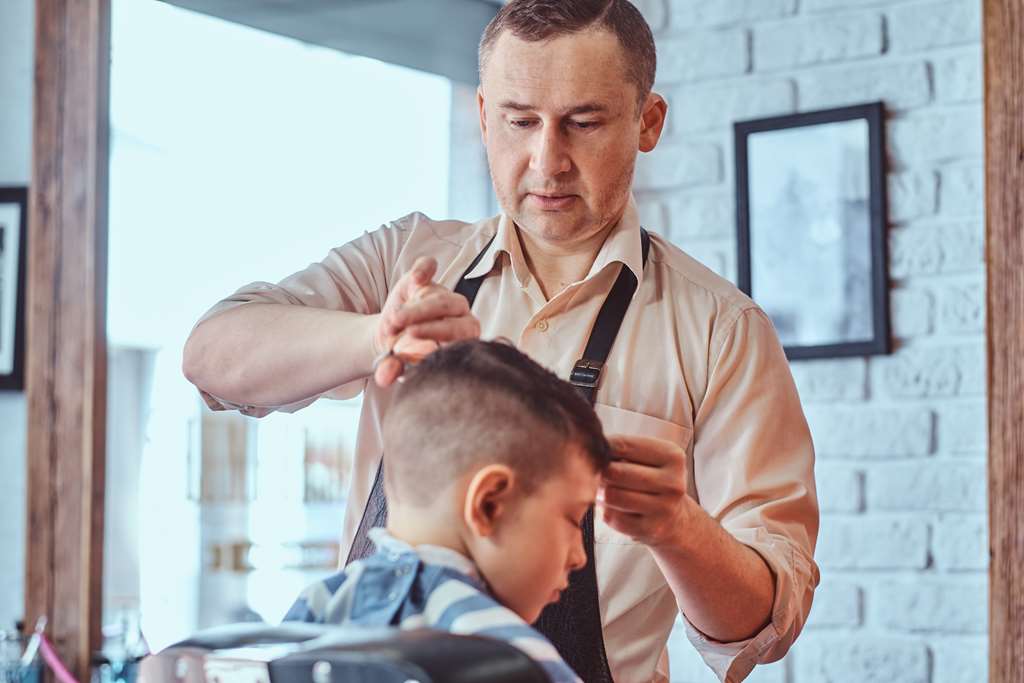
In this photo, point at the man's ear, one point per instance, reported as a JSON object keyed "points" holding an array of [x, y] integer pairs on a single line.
{"points": [[652, 121], [487, 498], [483, 113]]}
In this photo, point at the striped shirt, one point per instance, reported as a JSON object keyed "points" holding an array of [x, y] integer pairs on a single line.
{"points": [[422, 587]]}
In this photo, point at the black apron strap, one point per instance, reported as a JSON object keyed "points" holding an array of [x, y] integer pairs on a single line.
{"points": [[573, 624], [586, 374], [468, 287]]}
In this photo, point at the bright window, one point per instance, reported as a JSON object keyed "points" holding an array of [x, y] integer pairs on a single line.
{"points": [[236, 156]]}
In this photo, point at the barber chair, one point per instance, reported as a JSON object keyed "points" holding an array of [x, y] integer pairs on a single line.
{"points": [[314, 653]]}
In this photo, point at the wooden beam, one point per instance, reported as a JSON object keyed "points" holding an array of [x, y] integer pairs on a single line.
{"points": [[66, 337], [1004, 180]]}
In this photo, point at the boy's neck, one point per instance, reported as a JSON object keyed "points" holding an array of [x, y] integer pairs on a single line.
{"points": [[422, 529]]}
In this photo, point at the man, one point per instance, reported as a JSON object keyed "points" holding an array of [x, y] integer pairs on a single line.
{"points": [[711, 509]]}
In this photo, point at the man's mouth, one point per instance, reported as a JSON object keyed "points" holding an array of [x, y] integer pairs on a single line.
{"points": [[550, 201]]}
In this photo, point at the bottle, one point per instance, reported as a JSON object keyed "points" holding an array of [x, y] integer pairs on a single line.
{"points": [[10, 656]]}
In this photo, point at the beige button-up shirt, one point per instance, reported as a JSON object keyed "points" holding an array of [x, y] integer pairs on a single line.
{"points": [[696, 362]]}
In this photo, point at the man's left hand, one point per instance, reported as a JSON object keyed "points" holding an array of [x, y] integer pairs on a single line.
{"points": [[644, 491]]}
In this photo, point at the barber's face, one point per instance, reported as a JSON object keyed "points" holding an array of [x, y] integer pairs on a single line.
{"points": [[560, 123]]}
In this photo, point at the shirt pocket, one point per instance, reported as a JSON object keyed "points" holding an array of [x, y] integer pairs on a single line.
{"points": [[621, 421]]}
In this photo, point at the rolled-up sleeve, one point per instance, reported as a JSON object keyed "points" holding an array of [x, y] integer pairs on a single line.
{"points": [[754, 471], [355, 277]]}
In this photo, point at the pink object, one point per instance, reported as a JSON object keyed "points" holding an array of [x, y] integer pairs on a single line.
{"points": [[53, 661]]}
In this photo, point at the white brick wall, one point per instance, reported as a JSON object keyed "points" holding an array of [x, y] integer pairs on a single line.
{"points": [[869, 659], [923, 26], [700, 107], [705, 54], [960, 660], [826, 38], [901, 439]]}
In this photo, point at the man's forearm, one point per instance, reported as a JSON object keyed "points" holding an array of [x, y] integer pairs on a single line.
{"points": [[275, 354], [724, 588]]}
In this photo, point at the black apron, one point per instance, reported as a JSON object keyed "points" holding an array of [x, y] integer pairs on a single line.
{"points": [[573, 624]]}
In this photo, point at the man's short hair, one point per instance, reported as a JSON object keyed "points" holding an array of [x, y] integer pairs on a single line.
{"points": [[474, 403], [540, 20]]}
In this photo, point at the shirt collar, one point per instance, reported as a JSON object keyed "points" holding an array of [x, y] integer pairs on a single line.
{"points": [[428, 554], [505, 241], [622, 245]]}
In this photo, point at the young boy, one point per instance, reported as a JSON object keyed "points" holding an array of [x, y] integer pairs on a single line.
{"points": [[491, 463]]}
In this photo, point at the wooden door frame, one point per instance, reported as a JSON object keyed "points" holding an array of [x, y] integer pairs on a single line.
{"points": [[66, 361], [1003, 42]]}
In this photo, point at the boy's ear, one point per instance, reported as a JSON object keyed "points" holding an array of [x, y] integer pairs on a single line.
{"points": [[487, 498]]}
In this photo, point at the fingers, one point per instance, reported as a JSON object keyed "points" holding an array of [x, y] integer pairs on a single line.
{"points": [[430, 299], [647, 519], [436, 304], [627, 523], [645, 478], [646, 450], [448, 330], [409, 287], [633, 502], [406, 350], [410, 349], [422, 271], [644, 493], [388, 370]]}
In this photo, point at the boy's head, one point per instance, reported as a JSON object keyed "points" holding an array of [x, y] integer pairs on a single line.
{"points": [[490, 452]]}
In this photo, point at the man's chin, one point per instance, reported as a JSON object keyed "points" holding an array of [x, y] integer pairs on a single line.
{"points": [[550, 226]]}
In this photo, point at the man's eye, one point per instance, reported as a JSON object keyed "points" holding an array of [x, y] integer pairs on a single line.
{"points": [[585, 125], [520, 123]]}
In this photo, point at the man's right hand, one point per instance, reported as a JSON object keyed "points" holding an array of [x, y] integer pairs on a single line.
{"points": [[418, 316]]}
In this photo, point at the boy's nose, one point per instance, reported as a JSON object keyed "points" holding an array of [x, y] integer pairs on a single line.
{"points": [[577, 556]]}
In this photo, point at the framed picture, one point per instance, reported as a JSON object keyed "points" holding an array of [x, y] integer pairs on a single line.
{"points": [[13, 236], [811, 218]]}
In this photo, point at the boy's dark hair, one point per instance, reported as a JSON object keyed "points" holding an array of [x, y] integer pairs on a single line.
{"points": [[482, 402], [540, 20]]}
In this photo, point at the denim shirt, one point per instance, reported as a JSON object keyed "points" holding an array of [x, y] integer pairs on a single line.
{"points": [[422, 587]]}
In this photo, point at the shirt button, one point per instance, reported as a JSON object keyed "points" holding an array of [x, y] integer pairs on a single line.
{"points": [[542, 325], [393, 595]]}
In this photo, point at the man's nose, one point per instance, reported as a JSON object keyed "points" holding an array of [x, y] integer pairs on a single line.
{"points": [[550, 154]]}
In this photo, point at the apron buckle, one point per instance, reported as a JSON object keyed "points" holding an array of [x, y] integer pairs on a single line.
{"points": [[586, 373]]}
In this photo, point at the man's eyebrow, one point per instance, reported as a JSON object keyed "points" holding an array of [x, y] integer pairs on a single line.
{"points": [[515, 106], [587, 108]]}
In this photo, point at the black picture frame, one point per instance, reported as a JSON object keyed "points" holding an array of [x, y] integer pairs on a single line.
{"points": [[13, 241], [854, 231]]}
